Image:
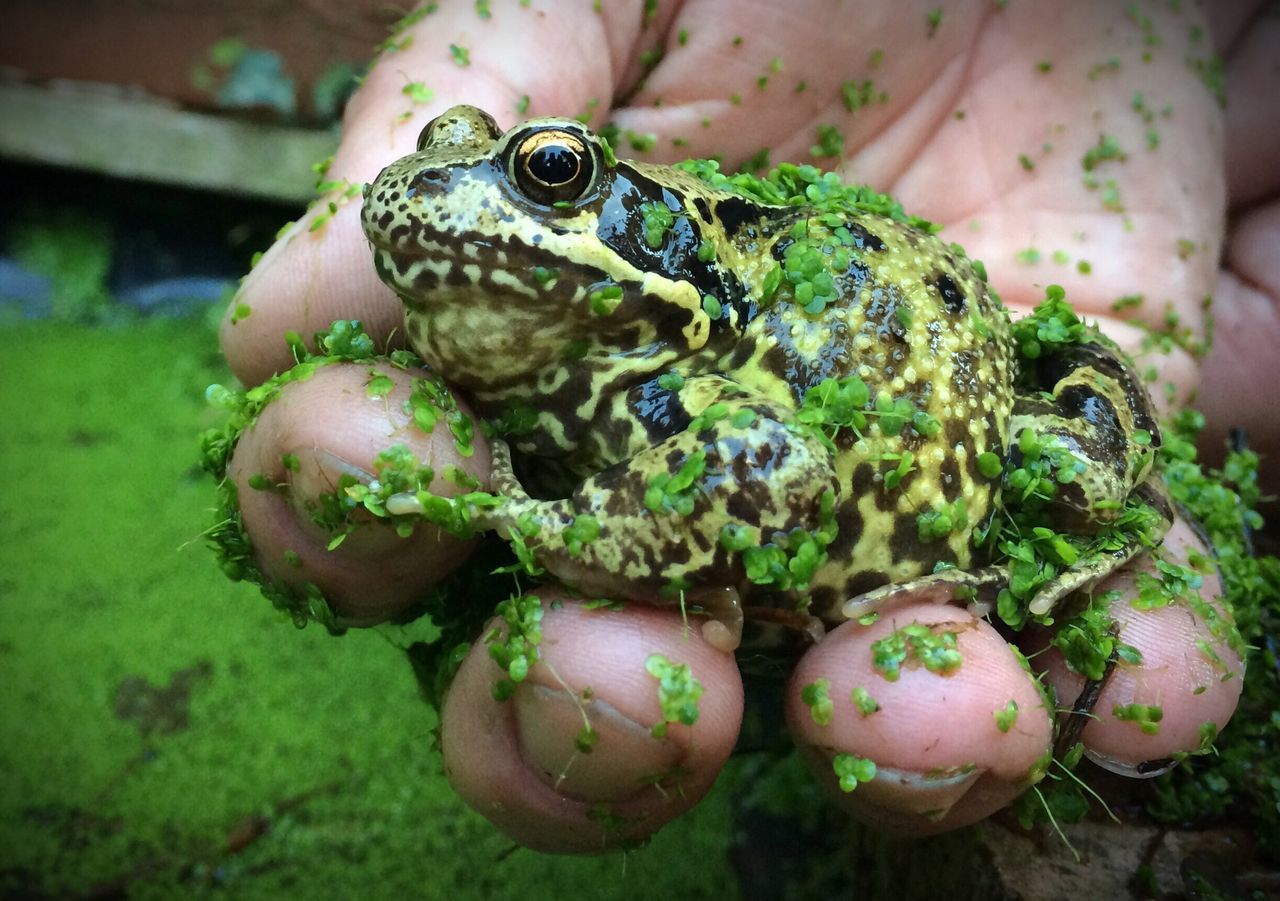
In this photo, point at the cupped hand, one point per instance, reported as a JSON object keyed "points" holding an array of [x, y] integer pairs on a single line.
{"points": [[1060, 144]]}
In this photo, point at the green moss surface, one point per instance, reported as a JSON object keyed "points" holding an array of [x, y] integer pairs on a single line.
{"points": [[166, 733]]}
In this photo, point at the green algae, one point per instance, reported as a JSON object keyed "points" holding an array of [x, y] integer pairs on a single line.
{"points": [[166, 734]]}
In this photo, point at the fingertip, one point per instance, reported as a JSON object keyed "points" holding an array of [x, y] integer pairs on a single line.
{"points": [[287, 469], [952, 740], [1184, 689], [570, 763]]}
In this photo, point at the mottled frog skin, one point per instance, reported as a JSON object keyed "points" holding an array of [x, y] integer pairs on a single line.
{"points": [[671, 422]]}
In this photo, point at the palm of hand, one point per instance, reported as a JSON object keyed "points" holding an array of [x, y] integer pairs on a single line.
{"points": [[963, 105]]}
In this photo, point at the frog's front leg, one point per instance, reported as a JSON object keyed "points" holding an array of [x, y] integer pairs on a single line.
{"points": [[673, 523]]}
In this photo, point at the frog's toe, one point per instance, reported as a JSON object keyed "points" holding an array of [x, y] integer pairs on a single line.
{"points": [[977, 589], [723, 631], [406, 503]]}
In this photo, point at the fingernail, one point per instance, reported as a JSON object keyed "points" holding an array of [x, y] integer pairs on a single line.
{"points": [[1145, 769], [624, 758], [927, 795], [314, 483]]}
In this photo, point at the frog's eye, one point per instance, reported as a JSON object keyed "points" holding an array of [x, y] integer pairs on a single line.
{"points": [[552, 166]]}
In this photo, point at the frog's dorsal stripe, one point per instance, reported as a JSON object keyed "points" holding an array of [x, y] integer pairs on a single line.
{"points": [[621, 229]]}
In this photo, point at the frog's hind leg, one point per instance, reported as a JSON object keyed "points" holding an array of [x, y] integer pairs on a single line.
{"points": [[979, 588], [1092, 568], [1087, 399]]}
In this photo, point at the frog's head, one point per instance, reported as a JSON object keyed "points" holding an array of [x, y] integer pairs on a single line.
{"points": [[536, 247]]}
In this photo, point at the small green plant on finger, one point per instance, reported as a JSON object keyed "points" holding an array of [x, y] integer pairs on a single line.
{"points": [[513, 644], [916, 644], [678, 692], [816, 697], [398, 494], [396, 472], [430, 401], [1006, 716], [1088, 641], [851, 770], [862, 700], [1146, 716]]}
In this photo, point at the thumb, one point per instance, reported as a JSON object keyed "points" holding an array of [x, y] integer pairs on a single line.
{"points": [[290, 476], [320, 269]]}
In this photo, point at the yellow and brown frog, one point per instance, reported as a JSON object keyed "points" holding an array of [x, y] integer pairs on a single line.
{"points": [[735, 394]]}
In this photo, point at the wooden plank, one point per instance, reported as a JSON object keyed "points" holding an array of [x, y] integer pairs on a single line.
{"points": [[106, 129]]}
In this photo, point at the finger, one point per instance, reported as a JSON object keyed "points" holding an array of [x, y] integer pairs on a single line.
{"points": [[307, 280], [315, 432], [321, 268], [740, 79], [519, 762], [1253, 132], [1187, 684], [1238, 370], [950, 744], [1148, 224]]}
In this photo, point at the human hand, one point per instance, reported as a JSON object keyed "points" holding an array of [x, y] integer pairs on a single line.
{"points": [[516, 761]]}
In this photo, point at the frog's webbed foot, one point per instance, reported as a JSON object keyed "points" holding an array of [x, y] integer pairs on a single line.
{"points": [[979, 588], [1091, 404], [1089, 570], [1092, 568], [723, 604], [502, 480]]}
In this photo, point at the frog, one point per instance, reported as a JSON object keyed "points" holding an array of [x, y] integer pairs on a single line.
{"points": [[758, 408]]}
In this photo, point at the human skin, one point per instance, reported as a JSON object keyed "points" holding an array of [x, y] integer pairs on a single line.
{"points": [[963, 103]]}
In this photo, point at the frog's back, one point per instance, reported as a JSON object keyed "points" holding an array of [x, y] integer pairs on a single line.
{"points": [[915, 326]]}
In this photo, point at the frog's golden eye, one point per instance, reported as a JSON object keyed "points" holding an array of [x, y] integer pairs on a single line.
{"points": [[553, 166]]}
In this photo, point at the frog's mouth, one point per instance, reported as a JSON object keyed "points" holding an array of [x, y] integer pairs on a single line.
{"points": [[413, 275], [408, 238]]}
